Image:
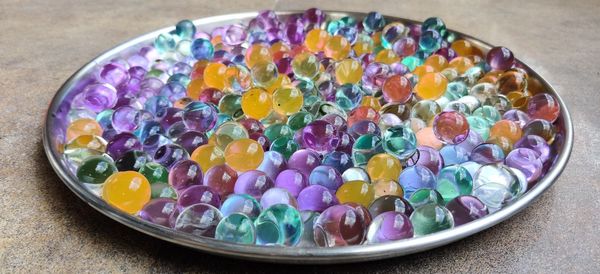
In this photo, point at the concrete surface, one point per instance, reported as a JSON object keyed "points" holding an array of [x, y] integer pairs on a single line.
{"points": [[45, 227]]}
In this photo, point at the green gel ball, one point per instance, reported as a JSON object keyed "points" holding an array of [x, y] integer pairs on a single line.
{"points": [[95, 169], [279, 224], [454, 181], [425, 196], [299, 120], [162, 190], [284, 145], [155, 173], [236, 228], [431, 218]]}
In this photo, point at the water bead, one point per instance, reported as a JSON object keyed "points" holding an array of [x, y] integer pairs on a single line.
{"points": [[208, 156], [500, 58], [257, 53], [348, 96], [287, 100], [487, 153], [356, 174], [431, 86], [316, 39], [454, 154], [340, 225], [285, 146], [199, 116], [428, 157], [264, 74], [384, 166], [357, 192], [416, 177], [541, 128], [253, 183], [453, 181], [497, 174], [320, 136], [132, 160], [466, 208], [84, 126], [279, 224], [508, 129], [305, 66], [202, 49], [164, 42], [198, 219], [365, 147], [399, 141], [243, 154], [337, 48], [543, 106], [122, 143], [95, 169], [527, 161], [389, 226], [489, 114], [391, 33], [158, 211], [537, 144], [278, 130], [326, 176], [128, 191], [198, 194], [215, 75], [511, 81], [431, 218], [348, 71]]}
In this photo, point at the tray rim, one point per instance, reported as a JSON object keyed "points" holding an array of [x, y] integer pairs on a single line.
{"points": [[296, 255]]}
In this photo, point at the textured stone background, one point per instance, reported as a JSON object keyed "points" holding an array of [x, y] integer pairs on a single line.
{"points": [[45, 227]]}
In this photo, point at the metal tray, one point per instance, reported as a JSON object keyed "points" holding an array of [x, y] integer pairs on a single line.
{"points": [[56, 123]]}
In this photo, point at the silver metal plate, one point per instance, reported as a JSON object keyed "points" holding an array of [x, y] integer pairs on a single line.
{"points": [[56, 123]]}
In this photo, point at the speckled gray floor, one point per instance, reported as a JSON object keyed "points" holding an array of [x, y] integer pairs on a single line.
{"points": [[44, 227]]}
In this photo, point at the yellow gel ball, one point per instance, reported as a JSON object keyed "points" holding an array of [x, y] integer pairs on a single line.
{"points": [[215, 75], [337, 48], [386, 56], [244, 154], [384, 166], [431, 86], [385, 187], [279, 48], [437, 62], [127, 190], [282, 81], [257, 103], [195, 88], [372, 102], [257, 53], [315, 40], [363, 45], [359, 192], [208, 156], [422, 70], [287, 100], [348, 71], [83, 126], [462, 47], [461, 64]]}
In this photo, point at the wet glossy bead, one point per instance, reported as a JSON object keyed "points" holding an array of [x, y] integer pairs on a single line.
{"points": [[487, 153], [305, 66], [543, 106], [466, 208], [388, 203], [497, 174], [208, 156], [389, 226], [453, 181], [198, 220], [537, 144], [84, 126], [416, 177], [228, 132], [326, 176], [241, 203], [320, 136], [451, 127], [276, 196], [316, 198], [132, 160], [348, 71], [236, 228], [357, 192], [244, 154], [184, 174], [500, 58], [304, 161], [199, 116], [431, 218], [431, 86], [273, 163], [397, 89], [337, 48], [253, 183], [506, 128], [340, 225], [399, 141], [128, 191], [121, 144], [157, 211], [527, 161], [540, 128], [202, 49], [356, 174], [264, 74], [365, 147], [257, 53], [287, 100], [348, 96], [428, 157], [316, 39], [279, 224], [257, 103], [198, 194], [384, 166], [168, 155], [95, 170], [291, 180]]}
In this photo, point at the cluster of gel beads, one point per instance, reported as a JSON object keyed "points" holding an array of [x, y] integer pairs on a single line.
{"points": [[311, 131]]}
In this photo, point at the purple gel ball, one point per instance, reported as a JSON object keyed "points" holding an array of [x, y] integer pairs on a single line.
{"points": [[169, 116], [273, 163], [416, 177], [316, 198], [153, 142], [427, 157], [326, 176], [126, 118], [291, 180], [197, 194], [389, 226], [313, 16], [167, 155], [466, 208], [304, 160], [158, 211], [200, 116], [346, 143], [190, 140], [363, 127], [320, 136], [98, 97], [338, 122], [473, 139], [487, 154], [113, 74], [184, 174], [518, 116], [500, 58], [121, 144], [536, 143], [527, 161], [253, 183], [276, 196]]}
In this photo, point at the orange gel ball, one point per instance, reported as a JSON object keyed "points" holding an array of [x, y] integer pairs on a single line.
{"points": [[127, 190]]}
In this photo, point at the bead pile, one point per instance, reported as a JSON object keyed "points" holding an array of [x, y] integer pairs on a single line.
{"points": [[310, 131]]}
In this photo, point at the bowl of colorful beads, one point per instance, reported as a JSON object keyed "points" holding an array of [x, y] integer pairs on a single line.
{"points": [[308, 137]]}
